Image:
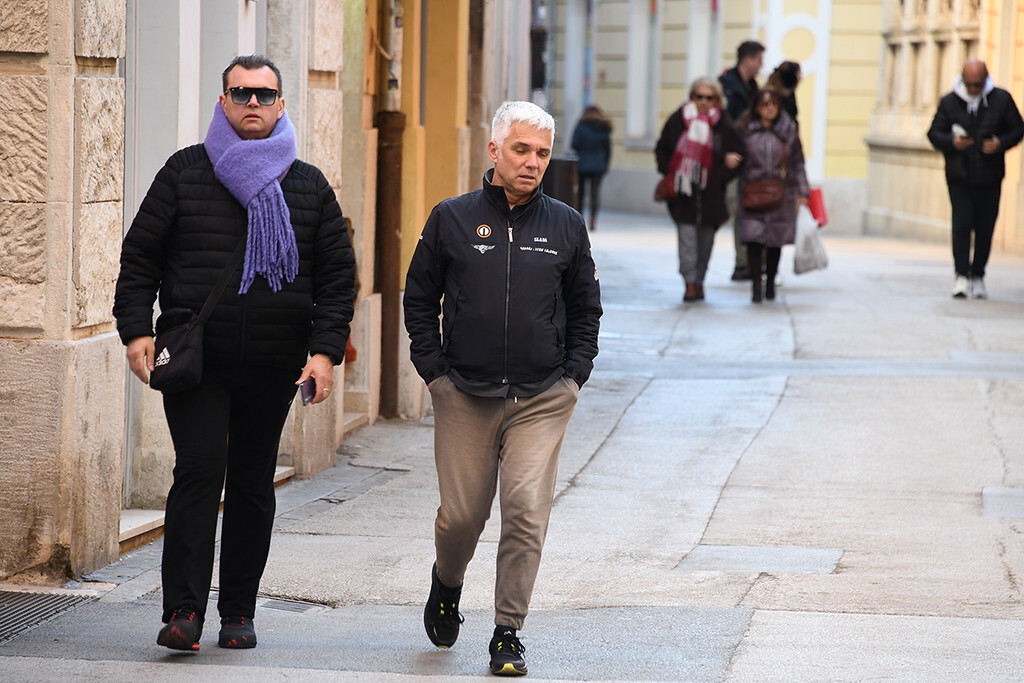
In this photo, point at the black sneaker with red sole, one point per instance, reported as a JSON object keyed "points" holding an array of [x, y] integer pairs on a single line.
{"points": [[183, 630], [237, 633]]}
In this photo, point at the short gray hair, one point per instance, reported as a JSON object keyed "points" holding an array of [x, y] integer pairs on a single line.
{"points": [[519, 112]]}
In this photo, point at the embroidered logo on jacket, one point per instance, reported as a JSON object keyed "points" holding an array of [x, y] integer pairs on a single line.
{"points": [[484, 231], [483, 248], [163, 359]]}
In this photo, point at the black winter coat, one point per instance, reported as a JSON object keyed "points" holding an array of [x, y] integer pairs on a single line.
{"points": [[592, 141], [182, 238], [522, 304], [997, 115], [737, 93], [704, 208]]}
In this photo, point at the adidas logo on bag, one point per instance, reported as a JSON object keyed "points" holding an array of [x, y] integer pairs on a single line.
{"points": [[163, 359]]}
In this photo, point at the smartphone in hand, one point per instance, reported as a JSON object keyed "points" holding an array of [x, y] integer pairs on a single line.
{"points": [[308, 390]]}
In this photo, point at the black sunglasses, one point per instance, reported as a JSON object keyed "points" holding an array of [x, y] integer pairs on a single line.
{"points": [[709, 98], [242, 95]]}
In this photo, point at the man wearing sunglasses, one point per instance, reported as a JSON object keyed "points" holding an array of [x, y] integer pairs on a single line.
{"points": [[283, 317], [974, 126]]}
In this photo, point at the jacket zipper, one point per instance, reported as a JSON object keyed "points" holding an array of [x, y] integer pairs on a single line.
{"points": [[508, 295]]}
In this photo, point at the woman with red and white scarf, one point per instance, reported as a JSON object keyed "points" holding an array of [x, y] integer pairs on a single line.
{"points": [[700, 151]]}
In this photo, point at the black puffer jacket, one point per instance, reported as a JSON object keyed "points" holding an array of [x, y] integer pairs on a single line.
{"points": [[997, 115], [522, 304], [182, 238]]}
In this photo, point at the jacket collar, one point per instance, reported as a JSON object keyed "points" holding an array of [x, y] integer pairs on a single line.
{"points": [[496, 194]]}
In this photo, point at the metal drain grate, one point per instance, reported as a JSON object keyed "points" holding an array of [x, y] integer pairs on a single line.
{"points": [[282, 604], [20, 611]]}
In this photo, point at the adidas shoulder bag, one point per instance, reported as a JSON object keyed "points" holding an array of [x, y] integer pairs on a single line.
{"points": [[179, 338]]}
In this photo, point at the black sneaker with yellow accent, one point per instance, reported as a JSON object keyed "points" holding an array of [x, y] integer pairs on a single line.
{"points": [[183, 630], [441, 616], [507, 653], [237, 633]]}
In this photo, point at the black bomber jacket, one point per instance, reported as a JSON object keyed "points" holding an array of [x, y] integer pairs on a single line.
{"points": [[521, 299]]}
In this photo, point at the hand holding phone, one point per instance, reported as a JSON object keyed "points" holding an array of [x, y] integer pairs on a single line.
{"points": [[308, 390]]}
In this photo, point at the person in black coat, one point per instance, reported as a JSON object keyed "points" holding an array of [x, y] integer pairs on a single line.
{"points": [[592, 140], [738, 86], [283, 318], [974, 126]]}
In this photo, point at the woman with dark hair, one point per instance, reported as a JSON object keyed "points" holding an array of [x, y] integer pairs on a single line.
{"points": [[784, 80], [701, 152], [592, 140], [773, 155]]}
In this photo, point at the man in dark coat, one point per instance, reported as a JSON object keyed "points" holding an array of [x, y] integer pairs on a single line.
{"points": [[284, 317], [738, 86], [974, 126], [509, 271]]}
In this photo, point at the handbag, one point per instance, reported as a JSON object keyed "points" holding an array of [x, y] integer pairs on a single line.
{"points": [[178, 365], [763, 195], [767, 194], [665, 190]]}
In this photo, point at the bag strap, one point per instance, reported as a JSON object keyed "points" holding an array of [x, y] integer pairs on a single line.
{"points": [[784, 165], [218, 289]]}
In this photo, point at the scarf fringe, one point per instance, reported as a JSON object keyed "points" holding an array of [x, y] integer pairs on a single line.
{"points": [[270, 250]]}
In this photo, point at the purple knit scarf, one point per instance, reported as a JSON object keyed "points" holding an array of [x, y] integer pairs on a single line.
{"points": [[252, 171]]}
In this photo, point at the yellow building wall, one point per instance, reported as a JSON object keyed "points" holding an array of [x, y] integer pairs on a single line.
{"points": [[855, 62], [434, 145]]}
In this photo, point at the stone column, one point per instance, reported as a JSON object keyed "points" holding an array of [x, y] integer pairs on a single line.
{"points": [[61, 367]]}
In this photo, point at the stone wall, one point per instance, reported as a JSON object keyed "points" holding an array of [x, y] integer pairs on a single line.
{"points": [[61, 365]]}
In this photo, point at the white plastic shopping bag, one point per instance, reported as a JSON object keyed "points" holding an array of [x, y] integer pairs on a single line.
{"points": [[810, 253]]}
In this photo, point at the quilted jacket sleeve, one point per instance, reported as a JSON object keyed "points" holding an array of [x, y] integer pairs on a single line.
{"points": [[143, 255], [334, 275]]}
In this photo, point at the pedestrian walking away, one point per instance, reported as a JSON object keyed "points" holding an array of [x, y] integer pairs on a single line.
{"points": [[510, 272], [701, 152], [592, 140], [738, 86], [973, 127], [283, 318], [774, 159]]}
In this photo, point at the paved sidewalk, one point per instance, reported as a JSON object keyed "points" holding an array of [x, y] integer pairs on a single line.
{"points": [[828, 487]]}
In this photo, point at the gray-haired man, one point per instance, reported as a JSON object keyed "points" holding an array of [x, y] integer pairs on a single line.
{"points": [[511, 270]]}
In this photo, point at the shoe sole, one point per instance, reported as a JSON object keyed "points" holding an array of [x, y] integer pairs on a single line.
{"points": [[508, 669], [433, 636], [172, 637], [233, 643]]}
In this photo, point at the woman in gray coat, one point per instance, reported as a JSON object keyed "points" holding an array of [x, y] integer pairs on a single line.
{"points": [[773, 150]]}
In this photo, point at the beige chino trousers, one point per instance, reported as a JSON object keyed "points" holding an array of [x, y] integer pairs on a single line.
{"points": [[484, 446]]}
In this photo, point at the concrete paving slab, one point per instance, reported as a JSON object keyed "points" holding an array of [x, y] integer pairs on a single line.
{"points": [[1002, 501], [761, 559], [792, 646]]}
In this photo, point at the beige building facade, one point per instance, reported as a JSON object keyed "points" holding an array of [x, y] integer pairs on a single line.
{"points": [[98, 94], [636, 59]]}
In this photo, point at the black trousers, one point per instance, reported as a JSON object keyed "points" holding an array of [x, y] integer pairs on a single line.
{"points": [[593, 180], [229, 425], [975, 209]]}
